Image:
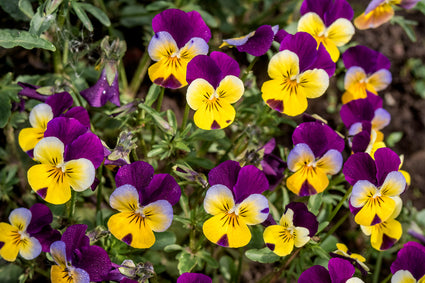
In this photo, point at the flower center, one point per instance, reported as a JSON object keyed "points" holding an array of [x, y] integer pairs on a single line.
{"points": [[20, 238]]}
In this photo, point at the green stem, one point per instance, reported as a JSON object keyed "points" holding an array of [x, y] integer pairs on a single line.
{"points": [[185, 116], [336, 226], [285, 266], [377, 268], [341, 202], [140, 74], [248, 69], [99, 191], [160, 98], [239, 271], [71, 206], [123, 76]]}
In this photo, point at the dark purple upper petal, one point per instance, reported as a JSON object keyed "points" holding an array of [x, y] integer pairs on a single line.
{"points": [[337, 10], [75, 238], [138, 174], [259, 43], [60, 102], [79, 113], [225, 173], [30, 91], [251, 180], [227, 64], [386, 161], [340, 270], [359, 110], [366, 58], [303, 217], [412, 259], [94, 260], [315, 274], [360, 166], [162, 186], [324, 61], [86, 146], [41, 216], [193, 278], [360, 141], [302, 44], [181, 25], [316, 6], [408, 4], [273, 167], [102, 92], [65, 129], [204, 67], [46, 237], [269, 146], [280, 35], [319, 137]]}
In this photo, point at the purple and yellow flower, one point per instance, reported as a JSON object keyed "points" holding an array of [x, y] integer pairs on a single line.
{"points": [[339, 270], [145, 203], [235, 201], [102, 91], [329, 22], [296, 226], [379, 12], [256, 43], [299, 71], [367, 71], [213, 87], [194, 278], [76, 260], [356, 259], [409, 265], [377, 185], [364, 118], [316, 154], [179, 36], [384, 235]]}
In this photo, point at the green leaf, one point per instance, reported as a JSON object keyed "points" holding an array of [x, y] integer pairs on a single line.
{"points": [[159, 6], [393, 138], [182, 146], [163, 239], [12, 8], [329, 244], [5, 109], [186, 262], [206, 135], [97, 13], [227, 267], [159, 121], [152, 95], [406, 25], [172, 120], [10, 273], [264, 255], [207, 257], [81, 14], [10, 38], [314, 203], [52, 5], [26, 7], [172, 248], [319, 251], [40, 22]]}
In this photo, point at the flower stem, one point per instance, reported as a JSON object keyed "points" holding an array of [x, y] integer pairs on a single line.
{"points": [[377, 268], [160, 98], [284, 266], [185, 116], [336, 226], [341, 202], [71, 206], [99, 191], [249, 68], [139, 75]]}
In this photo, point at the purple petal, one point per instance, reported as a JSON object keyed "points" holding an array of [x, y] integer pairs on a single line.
{"points": [[251, 180], [340, 270], [30, 91], [373, 5], [360, 166], [95, 261], [65, 129], [102, 92], [324, 61], [227, 64], [360, 141], [408, 4], [225, 173], [362, 56], [354, 210], [79, 113], [269, 221], [415, 245], [204, 67], [280, 35], [162, 187], [337, 10], [386, 161], [60, 102], [315, 274], [319, 137], [41, 216], [273, 167], [317, 6], [387, 242], [303, 217], [75, 238], [302, 44], [259, 43], [46, 237], [419, 236], [182, 26], [86, 146], [193, 278], [412, 259], [357, 111], [269, 146], [138, 174]]}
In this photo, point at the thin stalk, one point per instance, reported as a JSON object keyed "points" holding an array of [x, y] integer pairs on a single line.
{"points": [[341, 202], [248, 69], [160, 98], [71, 206], [139, 75], [185, 116], [284, 266], [123, 76], [336, 226], [377, 268], [99, 191], [239, 271]]}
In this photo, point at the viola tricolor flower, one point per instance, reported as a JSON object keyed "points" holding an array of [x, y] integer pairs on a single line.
{"points": [[296, 226], [145, 203], [364, 118], [273, 166], [256, 43], [385, 234], [214, 87], [76, 260], [297, 72], [194, 278], [356, 259], [316, 154], [179, 37], [235, 201], [102, 91], [377, 185], [339, 270], [329, 22], [379, 12], [409, 265], [57, 105], [367, 70]]}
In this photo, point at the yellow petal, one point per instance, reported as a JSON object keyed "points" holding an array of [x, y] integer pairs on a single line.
{"points": [[354, 83], [294, 104], [331, 162], [198, 92], [218, 199], [29, 137], [403, 276], [30, 248], [307, 181], [285, 63], [379, 80], [375, 211], [80, 173], [313, 83], [299, 156], [272, 94], [394, 184], [162, 45], [214, 114], [20, 218], [287, 219], [312, 24], [406, 176], [388, 229], [279, 240], [125, 199], [70, 274], [382, 14], [230, 89], [49, 151], [301, 236], [331, 48], [159, 215], [169, 72], [362, 192], [254, 209], [340, 32], [40, 115], [9, 251]]}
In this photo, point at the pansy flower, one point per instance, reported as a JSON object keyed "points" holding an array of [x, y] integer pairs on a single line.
{"points": [[339, 271], [194, 278], [256, 43], [329, 22], [377, 185], [379, 12], [145, 203], [102, 91], [367, 71], [214, 87], [364, 118], [56, 105], [76, 260], [179, 36], [296, 226], [409, 265], [356, 259], [235, 201], [316, 154], [273, 166], [299, 71]]}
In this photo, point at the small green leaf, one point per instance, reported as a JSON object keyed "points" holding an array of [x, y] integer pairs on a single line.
{"points": [[314, 203], [227, 267], [186, 261], [81, 14], [52, 5], [393, 138], [10, 38], [152, 95], [40, 22], [159, 121], [264, 255], [12, 8], [159, 6], [207, 257], [206, 135], [329, 244], [26, 8], [172, 120], [97, 13], [319, 251], [163, 239], [182, 146], [172, 248]]}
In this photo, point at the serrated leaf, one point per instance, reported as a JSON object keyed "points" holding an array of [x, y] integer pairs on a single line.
{"points": [[97, 13], [264, 255], [10, 38], [81, 14]]}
